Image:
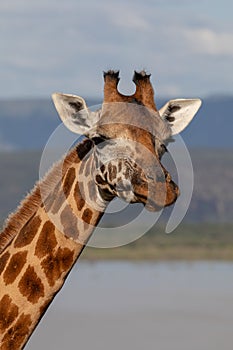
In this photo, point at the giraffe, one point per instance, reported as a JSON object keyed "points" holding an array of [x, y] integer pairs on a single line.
{"points": [[42, 240]]}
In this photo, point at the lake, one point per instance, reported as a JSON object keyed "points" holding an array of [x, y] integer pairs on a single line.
{"points": [[122, 305]]}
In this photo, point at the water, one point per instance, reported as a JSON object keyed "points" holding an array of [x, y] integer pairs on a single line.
{"points": [[162, 306]]}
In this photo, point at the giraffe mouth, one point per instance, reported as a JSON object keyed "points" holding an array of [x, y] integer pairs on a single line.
{"points": [[149, 204], [152, 204]]}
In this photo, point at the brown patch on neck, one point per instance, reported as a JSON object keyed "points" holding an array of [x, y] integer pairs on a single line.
{"points": [[47, 240], [57, 263], [144, 93], [87, 215], [68, 182], [28, 232], [17, 262], [31, 286], [16, 335], [3, 261], [69, 222], [8, 312]]}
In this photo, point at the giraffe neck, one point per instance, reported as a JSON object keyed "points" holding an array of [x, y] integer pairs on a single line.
{"points": [[38, 257]]}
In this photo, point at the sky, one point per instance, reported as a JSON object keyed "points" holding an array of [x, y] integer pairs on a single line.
{"points": [[65, 45]]}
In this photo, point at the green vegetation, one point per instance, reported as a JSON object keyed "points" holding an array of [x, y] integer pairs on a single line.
{"points": [[188, 242]]}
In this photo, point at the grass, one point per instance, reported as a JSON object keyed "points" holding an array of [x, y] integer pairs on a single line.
{"points": [[188, 242]]}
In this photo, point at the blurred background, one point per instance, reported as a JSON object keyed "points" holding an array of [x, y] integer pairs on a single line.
{"points": [[170, 290]]}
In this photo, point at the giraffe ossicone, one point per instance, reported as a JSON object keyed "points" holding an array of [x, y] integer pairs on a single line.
{"points": [[121, 157]]}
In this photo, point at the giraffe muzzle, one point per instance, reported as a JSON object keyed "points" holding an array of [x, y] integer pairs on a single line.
{"points": [[159, 195]]}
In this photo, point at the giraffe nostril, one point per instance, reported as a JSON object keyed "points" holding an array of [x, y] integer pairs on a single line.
{"points": [[160, 177]]}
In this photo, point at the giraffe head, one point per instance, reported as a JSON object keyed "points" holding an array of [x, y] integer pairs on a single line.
{"points": [[130, 137]]}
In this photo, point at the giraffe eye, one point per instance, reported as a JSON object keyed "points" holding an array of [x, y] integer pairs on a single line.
{"points": [[164, 148], [98, 140]]}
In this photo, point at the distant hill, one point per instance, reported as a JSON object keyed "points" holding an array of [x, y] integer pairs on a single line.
{"points": [[213, 125], [212, 199], [27, 124]]}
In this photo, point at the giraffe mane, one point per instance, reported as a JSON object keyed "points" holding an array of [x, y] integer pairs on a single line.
{"points": [[29, 205]]}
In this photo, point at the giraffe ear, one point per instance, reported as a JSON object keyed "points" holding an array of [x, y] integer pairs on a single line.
{"points": [[179, 113], [74, 113]]}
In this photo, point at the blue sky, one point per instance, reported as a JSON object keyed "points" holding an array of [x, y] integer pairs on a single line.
{"points": [[64, 45]]}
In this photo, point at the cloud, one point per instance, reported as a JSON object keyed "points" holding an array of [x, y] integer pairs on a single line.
{"points": [[126, 17], [207, 41], [65, 45]]}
